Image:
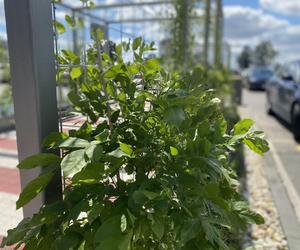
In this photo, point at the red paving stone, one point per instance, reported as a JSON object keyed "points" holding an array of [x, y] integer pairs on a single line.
{"points": [[10, 144], [10, 180]]}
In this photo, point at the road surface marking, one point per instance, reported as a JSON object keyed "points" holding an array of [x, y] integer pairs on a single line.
{"points": [[288, 184], [298, 148]]}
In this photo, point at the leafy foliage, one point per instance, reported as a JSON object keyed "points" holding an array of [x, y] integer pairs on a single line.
{"points": [[245, 58], [149, 169], [262, 55], [181, 39]]}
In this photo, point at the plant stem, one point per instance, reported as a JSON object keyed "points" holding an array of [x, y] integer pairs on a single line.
{"points": [[103, 83]]}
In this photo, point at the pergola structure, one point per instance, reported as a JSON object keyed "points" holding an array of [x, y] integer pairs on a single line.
{"points": [[208, 18], [33, 69]]}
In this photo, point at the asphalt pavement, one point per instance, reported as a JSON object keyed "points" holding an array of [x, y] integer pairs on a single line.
{"points": [[282, 163]]}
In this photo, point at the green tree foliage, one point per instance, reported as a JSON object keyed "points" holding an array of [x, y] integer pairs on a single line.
{"points": [[4, 61], [264, 54], [5, 101], [245, 58], [149, 169], [3, 51]]}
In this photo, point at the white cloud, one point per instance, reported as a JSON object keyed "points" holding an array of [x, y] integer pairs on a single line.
{"points": [[287, 7], [249, 26], [248, 22]]}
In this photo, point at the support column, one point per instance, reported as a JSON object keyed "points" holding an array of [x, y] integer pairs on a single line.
{"points": [[31, 51], [218, 34], [206, 32], [185, 33]]}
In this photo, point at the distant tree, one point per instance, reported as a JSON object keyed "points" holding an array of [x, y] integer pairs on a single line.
{"points": [[4, 61], [264, 53], [245, 58], [3, 52]]}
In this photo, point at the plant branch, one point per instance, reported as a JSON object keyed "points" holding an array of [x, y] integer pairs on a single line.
{"points": [[99, 59]]}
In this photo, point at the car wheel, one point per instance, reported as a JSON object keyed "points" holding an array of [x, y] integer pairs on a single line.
{"points": [[296, 122]]}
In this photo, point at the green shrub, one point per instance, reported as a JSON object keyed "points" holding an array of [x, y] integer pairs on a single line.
{"points": [[6, 101], [154, 174]]}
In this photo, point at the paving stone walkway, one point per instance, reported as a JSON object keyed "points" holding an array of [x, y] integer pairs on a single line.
{"points": [[10, 186], [9, 183]]}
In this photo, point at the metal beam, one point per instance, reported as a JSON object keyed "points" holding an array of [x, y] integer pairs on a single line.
{"points": [[150, 19], [93, 16], [128, 4], [31, 51]]}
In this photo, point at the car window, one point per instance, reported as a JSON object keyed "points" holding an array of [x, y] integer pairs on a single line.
{"points": [[262, 72], [290, 72]]}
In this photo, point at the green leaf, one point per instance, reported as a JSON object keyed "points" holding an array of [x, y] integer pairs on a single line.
{"points": [[70, 21], [139, 197], [54, 139], [75, 73], [97, 34], [174, 116], [17, 234], [125, 242], [73, 143], [67, 241], [109, 229], [197, 76], [91, 174], [60, 28], [256, 144], [173, 151], [33, 188], [243, 127], [245, 212], [103, 136], [48, 214], [118, 153], [95, 212], [70, 56], [112, 72], [127, 149], [150, 195], [136, 43], [39, 160], [158, 228], [109, 235], [94, 152], [75, 99], [73, 162], [152, 65], [189, 230], [115, 116], [213, 235]]}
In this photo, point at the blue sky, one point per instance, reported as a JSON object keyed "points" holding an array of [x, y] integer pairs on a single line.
{"points": [[247, 22], [256, 5]]}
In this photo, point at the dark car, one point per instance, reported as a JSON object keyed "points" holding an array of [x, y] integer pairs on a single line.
{"points": [[283, 95], [257, 77]]}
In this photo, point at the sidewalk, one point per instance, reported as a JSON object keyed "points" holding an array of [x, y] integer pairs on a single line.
{"points": [[10, 186], [280, 167], [9, 183]]}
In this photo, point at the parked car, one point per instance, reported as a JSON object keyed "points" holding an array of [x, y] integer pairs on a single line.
{"points": [[257, 77], [283, 95]]}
